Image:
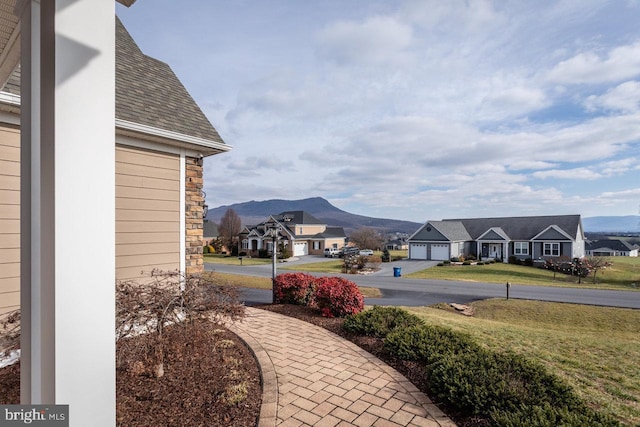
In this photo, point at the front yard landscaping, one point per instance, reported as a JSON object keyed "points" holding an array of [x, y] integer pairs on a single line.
{"points": [[621, 275]]}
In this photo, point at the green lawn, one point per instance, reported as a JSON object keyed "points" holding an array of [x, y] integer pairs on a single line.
{"points": [[265, 283], [330, 267], [234, 260], [624, 272], [595, 349]]}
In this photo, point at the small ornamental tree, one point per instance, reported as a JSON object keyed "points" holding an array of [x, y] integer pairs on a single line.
{"points": [[337, 297], [596, 263], [293, 288]]}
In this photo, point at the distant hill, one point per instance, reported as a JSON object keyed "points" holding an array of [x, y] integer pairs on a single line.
{"points": [[254, 212], [615, 224]]}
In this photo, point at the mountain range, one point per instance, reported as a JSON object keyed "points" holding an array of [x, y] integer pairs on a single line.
{"points": [[254, 212]]}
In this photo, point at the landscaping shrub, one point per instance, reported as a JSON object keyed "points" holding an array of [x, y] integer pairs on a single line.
{"points": [[471, 257], [455, 259], [466, 263], [528, 262], [337, 297], [386, 256], [212, 250], [480, 263], [446, 262], [482, 382], [440, 264], [205, 249], [293, 288], [428, 343], [380, 321], [547, 415], [514, 260]]}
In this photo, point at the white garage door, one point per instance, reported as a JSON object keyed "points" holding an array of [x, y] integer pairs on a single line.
{"points": [[300, 249], [439, 252], [418, 251]]}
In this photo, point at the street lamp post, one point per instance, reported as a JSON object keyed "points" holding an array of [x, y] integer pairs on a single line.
{"points": [[274, 230]]}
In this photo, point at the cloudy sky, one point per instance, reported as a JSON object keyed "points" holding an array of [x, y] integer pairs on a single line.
{"points": [[412, 109]]}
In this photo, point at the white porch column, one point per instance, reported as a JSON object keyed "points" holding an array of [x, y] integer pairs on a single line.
{"points": [[68, 196]]}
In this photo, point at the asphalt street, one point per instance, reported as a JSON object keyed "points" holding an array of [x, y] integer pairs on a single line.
{"points": [[422, 292]]}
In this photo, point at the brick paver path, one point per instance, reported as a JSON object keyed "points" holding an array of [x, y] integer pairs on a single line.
{"points": [[313, 377]]}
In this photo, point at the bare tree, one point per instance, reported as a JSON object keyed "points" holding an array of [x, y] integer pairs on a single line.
{"points": [[367, 238], [229, 228]]}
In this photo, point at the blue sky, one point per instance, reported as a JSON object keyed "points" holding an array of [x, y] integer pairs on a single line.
{"points": [[413, 109]]}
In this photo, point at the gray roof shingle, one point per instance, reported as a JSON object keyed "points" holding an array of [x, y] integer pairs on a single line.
{"points": [[521, 228], [149, 93]]}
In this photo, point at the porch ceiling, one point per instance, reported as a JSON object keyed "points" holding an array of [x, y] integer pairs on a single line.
{"points": [[10, 37]]}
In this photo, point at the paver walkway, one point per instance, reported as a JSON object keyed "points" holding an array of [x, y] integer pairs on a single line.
{"points": [[313, 377]]}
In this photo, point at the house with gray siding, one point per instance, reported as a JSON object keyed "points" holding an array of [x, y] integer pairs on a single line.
{"points": [[535, 237]]}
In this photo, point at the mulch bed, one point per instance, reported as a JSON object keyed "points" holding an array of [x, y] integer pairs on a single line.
{"points": [[210, 378]]}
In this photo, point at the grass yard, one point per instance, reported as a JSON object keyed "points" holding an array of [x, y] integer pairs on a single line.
{"points": [[234, 260], [624, 272], [330, 267], [595, 349], [265, 283]]}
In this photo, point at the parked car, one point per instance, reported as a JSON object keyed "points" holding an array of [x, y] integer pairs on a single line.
{"points": [[349, 250], [331, 252], [365, 252]]}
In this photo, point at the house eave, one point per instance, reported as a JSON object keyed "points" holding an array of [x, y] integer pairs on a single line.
{"points": [[204, 146]]}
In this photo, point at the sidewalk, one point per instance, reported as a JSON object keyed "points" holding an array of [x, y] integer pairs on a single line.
{"points": [[312, 377]]}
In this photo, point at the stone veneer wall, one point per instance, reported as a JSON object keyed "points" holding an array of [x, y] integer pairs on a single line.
{"points": [[194, 201]]}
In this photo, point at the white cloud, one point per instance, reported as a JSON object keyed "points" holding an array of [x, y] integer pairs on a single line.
{"points": [[624, 98], [577, 173], [620, 63], [376, 40]]}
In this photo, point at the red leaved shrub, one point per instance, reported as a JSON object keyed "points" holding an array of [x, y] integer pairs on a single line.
{"points": [[337, 297], [293, 288]]}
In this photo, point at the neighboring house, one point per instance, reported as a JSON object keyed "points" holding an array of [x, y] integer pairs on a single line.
{"points": [[162, 137], [523, 237], [611, 247], [396, 245], [301, 231]]}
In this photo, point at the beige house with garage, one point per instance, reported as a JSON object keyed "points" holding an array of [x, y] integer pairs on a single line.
{"points": [[162, 137]]}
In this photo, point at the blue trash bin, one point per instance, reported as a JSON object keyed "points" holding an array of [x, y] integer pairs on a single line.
{"points": [[396, 271]]}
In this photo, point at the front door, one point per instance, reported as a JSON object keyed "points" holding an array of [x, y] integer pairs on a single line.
{"points": [[495, 250]]}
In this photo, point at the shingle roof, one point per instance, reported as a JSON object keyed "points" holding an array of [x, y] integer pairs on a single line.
{"points": [[149, 93], [297, 217], [521, 228], [452, 230], [616, 245], [332, 232]]}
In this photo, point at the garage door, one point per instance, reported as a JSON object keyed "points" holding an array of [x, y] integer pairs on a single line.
{"points": [[439, 252], [418, 251], [300, 249]]}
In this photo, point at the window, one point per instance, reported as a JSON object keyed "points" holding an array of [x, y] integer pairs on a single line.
{"points": [[521, 248], [551, 249], [316, 245], [245, 244]]}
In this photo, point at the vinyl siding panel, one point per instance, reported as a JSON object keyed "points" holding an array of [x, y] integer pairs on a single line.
{"points": [[147, 212], [9, 219]]}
